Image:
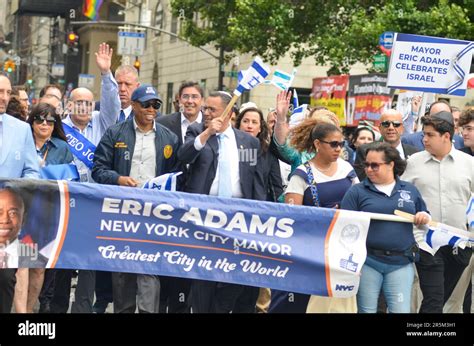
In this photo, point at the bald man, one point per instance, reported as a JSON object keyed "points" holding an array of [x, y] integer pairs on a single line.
{"points": [[391, 129]]}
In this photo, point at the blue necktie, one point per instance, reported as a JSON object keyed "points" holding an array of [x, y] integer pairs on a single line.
{"points": [[225, 183], [121, 116]]}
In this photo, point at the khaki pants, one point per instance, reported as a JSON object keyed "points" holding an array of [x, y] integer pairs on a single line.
{"points": [[318, 304], [455, 301]]}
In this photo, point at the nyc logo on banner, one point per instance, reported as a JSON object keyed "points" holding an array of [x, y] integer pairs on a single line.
{"points": [[430, 64], [103, 227]]}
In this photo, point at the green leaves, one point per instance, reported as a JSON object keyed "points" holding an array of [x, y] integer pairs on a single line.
{"points": [[337, 32]]}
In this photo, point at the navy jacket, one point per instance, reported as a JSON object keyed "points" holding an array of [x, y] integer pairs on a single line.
{"points": [[387, 235], [173, 122], [113, 156], [203, 164]]}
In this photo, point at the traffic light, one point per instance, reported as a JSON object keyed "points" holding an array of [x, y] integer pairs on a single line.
{"points": [[9, 66], [137, 64], [72, 40]]}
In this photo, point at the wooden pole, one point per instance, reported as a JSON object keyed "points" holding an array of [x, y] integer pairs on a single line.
{"points": [[454, 230], [227, 109]]}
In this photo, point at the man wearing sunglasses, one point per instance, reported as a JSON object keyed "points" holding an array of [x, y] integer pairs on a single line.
{"points": [[129, 154], [391, 128]]}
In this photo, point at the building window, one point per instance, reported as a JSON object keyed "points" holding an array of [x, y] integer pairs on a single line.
{"points": [[154, 77], [159, 18], [174, 28], [169, 98]]}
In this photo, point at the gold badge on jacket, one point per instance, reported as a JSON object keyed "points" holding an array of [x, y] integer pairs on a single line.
{"points": [[120, 145], [168, 151]]}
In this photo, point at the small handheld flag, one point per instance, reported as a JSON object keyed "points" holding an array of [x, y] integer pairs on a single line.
{"points": [[165, 182], [298, 115], [248, 79], [440, 234], [281, 79]]}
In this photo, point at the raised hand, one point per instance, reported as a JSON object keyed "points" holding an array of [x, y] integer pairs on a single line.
{"points": [[415, 104], [283, 105], [103, 58]]}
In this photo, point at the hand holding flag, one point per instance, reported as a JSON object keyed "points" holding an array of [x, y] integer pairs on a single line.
{"points": [[249, 79], [439, 234]]}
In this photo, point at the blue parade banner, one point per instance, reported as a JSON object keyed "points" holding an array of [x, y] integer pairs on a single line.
{"points": [[80, 146], [121, 229]]}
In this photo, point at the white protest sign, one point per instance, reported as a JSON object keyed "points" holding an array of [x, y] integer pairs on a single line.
{"points": [[430, 64]]}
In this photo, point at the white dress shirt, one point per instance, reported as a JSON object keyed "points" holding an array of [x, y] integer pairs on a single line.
{"points": [[233, 156], [185, 124]]}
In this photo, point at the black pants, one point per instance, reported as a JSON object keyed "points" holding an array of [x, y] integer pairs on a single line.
{"points": [[84, 295], [103, 290], [7, 289], [439, 275], [174, 295], [47, 291], [221, 297]]}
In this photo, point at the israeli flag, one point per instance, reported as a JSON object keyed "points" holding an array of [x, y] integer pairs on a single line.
{"points": [[470, 213], [298, 115], [281, 79], [251, 77], [296, 103], [165, 182]]}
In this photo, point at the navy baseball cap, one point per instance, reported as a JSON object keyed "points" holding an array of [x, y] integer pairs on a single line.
{"points": [[144, 93]]}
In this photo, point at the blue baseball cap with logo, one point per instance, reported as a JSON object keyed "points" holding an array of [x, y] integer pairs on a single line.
{"points": [[144, 93]]}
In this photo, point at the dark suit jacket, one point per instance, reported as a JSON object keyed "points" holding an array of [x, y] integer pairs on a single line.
{"points": [[203, 164], [173, 122], [408, 150], [467, 150]]}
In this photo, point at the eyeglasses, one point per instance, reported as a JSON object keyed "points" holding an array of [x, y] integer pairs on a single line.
{"points": [[375, 166], [334, 144], [191, 96], [150, 103], [387, 123], [39, 119], [210, 109]]}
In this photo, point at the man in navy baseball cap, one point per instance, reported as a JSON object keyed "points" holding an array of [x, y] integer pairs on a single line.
{"points": [[146, 92]]}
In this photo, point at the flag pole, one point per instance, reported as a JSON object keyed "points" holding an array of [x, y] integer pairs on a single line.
{"points": [[229, 107], [436, 224]]}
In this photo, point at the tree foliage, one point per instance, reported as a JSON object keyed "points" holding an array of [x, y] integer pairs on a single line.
{"points": [[337, 33]]}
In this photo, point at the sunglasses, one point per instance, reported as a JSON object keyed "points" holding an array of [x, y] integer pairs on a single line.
{"points": [[387, 123], [375, 166], [334, 144], [38, 119], [150, 103]]}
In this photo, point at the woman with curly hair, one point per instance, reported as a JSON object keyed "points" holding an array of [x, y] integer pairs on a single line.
{"points": [[282, 134], [319, 182]]}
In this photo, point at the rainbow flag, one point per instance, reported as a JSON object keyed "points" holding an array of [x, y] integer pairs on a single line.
{"points": [[91, 8]]}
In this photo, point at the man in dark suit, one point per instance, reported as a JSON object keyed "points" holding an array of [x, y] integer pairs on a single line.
{"points": [[218, 167], [391, 129], [129, 154], [190, 102], [175, 291]]}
